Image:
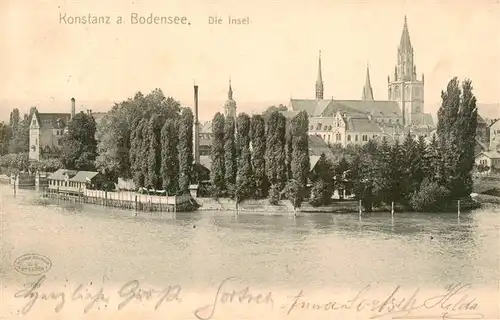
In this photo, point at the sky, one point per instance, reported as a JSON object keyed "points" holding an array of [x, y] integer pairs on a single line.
{"points": [[45, 62]]}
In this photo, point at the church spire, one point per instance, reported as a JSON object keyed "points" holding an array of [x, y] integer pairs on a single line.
{"points": [[319, 81], [230, 105], [230, 91], [405, 43], [367, 89]]}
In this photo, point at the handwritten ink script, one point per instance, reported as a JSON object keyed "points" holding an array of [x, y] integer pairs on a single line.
{"points": [[453, 302], [94, 296], [238, 295]]}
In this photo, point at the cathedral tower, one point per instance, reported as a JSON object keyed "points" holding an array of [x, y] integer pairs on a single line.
{"points": [[405, 88], [319, 81], [230, 105]]}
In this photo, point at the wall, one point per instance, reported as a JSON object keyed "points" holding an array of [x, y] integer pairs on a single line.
{"points": [[495, 136], [34, 153], [370, 135]]}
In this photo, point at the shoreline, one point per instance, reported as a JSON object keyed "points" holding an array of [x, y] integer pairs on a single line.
{"points": [[251, 207]]}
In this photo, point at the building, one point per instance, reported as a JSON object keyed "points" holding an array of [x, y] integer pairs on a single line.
{"points": [[494, 132], [483, 130], [403, 109], [47, 129], [72, 181], [230, 105], [490, 159], [405, 88]]}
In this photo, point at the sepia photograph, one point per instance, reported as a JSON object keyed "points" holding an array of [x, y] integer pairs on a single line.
{"points": [[250, 160]]}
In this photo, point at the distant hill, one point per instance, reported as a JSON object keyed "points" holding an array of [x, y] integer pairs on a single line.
{"points": [[486, 110]]}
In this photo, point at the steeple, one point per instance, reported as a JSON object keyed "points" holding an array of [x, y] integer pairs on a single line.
{"points": [[367, 89], [230, 105], [230, 92], [405, 43], [405, 68], [319, 81]]}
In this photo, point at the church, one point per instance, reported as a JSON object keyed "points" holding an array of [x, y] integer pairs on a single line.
{"points": [[357, 121]]}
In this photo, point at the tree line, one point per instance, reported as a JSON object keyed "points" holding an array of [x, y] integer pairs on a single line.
{"points": [[148, 139], [14, 136], [253, 158], [419, 175]]}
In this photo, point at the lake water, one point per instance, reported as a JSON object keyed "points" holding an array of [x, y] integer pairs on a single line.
{"points": [[323, 254]]}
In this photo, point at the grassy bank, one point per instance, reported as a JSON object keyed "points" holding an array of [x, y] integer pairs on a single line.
{"points": [[487, 186]]}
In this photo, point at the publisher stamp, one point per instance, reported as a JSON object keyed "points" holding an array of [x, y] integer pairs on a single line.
{"points": [[32, 264]]}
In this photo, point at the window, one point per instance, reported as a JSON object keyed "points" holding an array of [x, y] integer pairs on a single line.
{"points": [[365, 137], [348, 137], [356, 138], [330, 128], [338, 137], [34, 122], [318, 126]]}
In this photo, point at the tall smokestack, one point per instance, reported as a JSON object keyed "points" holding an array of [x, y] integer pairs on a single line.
{"points": [[72, 108], [196, 129]]}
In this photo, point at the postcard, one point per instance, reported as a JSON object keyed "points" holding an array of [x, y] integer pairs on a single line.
{"points": [[211, 160]]}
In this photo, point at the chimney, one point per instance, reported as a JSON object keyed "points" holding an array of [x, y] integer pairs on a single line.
{"points": [[72, 108], [196, 133]]}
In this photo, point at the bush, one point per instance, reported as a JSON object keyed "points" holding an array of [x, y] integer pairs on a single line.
{"points": [[274, 194], [429, 197], [12, 163], [320, 194], [47, 165]]}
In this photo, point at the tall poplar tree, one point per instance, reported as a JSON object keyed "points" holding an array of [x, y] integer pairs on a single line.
{"points": [[244, 177], [457, 123], [154, 153], [135, 155], [258, 140], [230, 153], [185, 148], [217, 173], [145, 144], [299, 165], [275, 150], [169, 159]]}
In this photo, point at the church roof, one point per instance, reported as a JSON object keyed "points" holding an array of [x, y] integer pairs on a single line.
{"points": [[328, 107], [206, 127], [358, 124]]}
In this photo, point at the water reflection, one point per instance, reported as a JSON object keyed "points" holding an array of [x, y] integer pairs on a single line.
{"points": [[201, 248]]}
